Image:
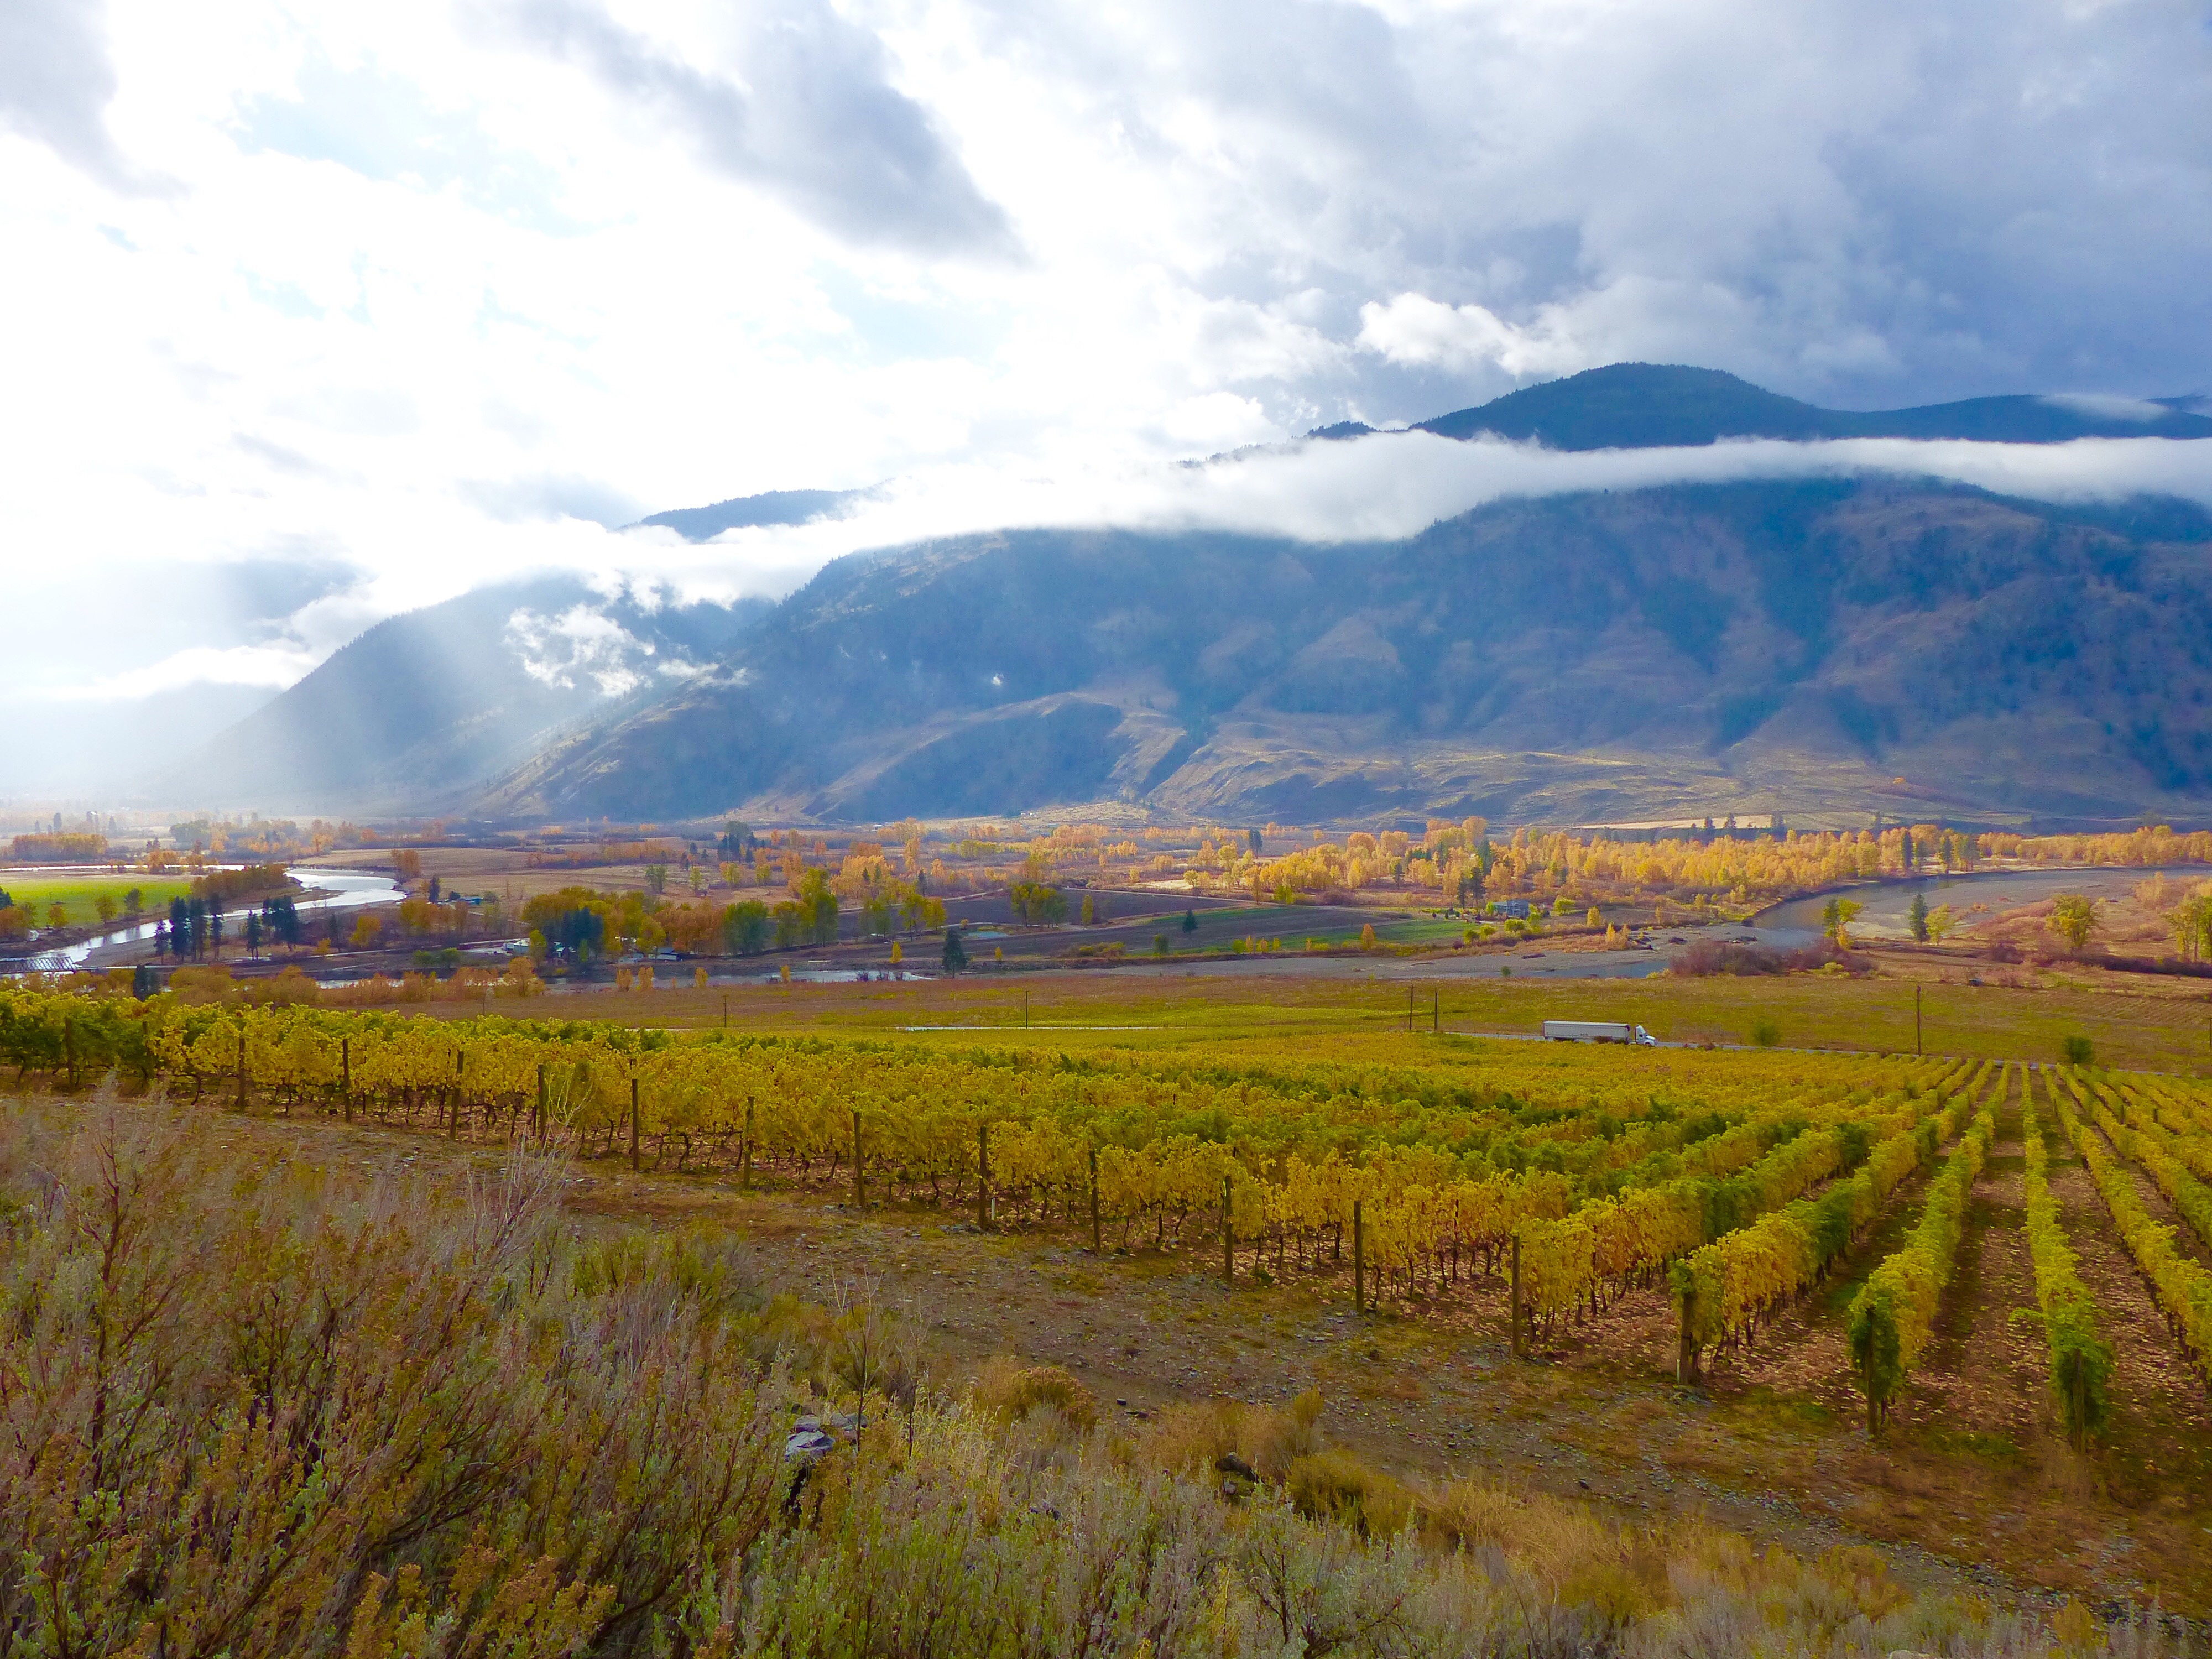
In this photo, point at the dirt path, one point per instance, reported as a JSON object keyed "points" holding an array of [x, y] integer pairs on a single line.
{"points": [[2156, 1460], [1983, 1373], [1429, 1396]]}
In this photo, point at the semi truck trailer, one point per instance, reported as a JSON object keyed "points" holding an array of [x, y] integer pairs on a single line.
{"points": [[1598, 1030]]}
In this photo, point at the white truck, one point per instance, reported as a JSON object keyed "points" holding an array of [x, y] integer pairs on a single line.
{"points": [[1597, 1031]]}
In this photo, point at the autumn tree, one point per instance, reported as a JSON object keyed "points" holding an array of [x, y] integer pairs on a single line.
{"points": [[2073, 918], [745, 928]]}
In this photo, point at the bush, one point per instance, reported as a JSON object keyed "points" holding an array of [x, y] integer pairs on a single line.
{"points": [[1012, 1392], [1192, 1439], [2078, 1051], [1335, 1486], [1766, 1033]]}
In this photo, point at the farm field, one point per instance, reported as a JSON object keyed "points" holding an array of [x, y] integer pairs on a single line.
{"points": [[79, 893], [2155, 1025], [1195, 1191]]}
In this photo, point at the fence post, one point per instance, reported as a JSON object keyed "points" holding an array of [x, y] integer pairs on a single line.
{"points": [[1095, 1246], [745, 1151], [1916, 1020], [859, 1193], [345, 1077], [633, 1120], [1228, 1237], [1436, 1010], [69, 1047], [1519, 1344], [538, 1128], [982, 1174], [453, 1125], [1686, 1351], [241, 1066], [1358, 1259]]}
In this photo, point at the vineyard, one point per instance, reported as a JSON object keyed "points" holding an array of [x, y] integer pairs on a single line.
{"points": [[1733, 1186]]}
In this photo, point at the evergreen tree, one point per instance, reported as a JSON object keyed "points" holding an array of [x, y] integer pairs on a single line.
{"points": [[1917, 916], [955, 953], [1189, 921]]}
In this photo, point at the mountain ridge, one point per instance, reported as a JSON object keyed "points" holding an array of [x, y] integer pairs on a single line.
{"points": [[1655, 405], [1583, 658]]}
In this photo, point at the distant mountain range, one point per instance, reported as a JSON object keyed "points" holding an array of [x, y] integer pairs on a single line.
{"points": [[1650, 405], [1827, 648]]}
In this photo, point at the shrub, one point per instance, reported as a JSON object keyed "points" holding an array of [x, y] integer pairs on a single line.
{"points": [[1335, 1486], [2078, 1051], [1766, 1033], [1012, 1392]]}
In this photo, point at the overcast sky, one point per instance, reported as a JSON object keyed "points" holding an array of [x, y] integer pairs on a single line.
{"points": [[317, 312]]}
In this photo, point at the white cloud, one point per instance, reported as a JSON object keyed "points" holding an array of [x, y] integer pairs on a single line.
{"points": [[270, 665], [1416, 331]]}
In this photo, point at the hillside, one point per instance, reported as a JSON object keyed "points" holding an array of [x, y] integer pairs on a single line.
{"points": [[425, 708], [1643, 406], [1792, 645]]}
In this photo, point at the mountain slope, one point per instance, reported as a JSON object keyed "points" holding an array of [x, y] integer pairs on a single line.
{"points": [[1769, 646], [424, 708], [1643, 405]]}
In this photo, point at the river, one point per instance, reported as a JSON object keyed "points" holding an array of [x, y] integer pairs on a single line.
{"points": [[330, 889]]}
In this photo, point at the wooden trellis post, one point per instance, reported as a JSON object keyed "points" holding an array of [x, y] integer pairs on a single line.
{"points": [[1358, 1257], [1520, 1342], [983, 1176], [1096, 1248], [1228, 1237]]}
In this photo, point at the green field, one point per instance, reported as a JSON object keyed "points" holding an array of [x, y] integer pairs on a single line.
{"points": [[79, 896]]}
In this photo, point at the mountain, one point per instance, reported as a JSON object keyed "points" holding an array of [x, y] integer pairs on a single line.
{"points": [[1794, 646], [1645, 405], [773, 507], [424, 708]]}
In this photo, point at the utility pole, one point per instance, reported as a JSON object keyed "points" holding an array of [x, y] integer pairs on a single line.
{"points": [[1025, 1007], [726, 1010]]}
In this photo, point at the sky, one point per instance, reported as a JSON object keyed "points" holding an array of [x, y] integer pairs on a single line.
{"points": [[317, 314]]}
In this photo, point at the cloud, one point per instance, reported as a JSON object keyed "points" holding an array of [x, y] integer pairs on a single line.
{"points": [[56, 81], [1413, 328], [272, 666], [821, 127], [1386, 486], [582, 641]]}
